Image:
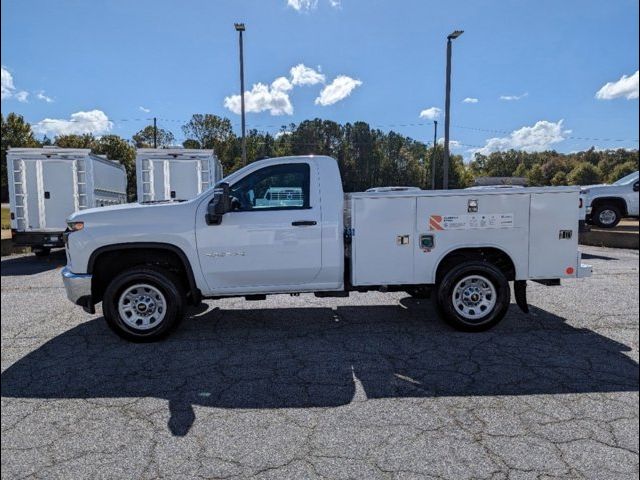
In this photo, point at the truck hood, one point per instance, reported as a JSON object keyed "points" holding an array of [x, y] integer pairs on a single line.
{"points": [[131, 211], [589, 187]]}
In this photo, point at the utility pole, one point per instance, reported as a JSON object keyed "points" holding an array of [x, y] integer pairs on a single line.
{"points": [[447, 108], [240, 28], [155, 133], [433, 155]]}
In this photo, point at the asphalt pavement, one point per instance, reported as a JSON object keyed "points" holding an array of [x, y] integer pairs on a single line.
{"points": [[371, 386]]}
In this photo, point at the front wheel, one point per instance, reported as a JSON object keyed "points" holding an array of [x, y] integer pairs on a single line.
{"points": [[41, 251], [606, 216], [143, 304], [473, 296]]}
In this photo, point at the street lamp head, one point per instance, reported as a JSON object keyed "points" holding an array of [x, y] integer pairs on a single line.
{"points": [[455, 34], [239, 27]]}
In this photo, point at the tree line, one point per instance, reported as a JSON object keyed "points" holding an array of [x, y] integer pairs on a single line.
{"points": [[367, 157]]}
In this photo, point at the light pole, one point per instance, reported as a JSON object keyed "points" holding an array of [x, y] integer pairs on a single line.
{"points": [[240, 28], [433, 155], [447, 107]]}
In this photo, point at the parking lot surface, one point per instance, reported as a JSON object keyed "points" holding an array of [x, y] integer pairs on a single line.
{"points": [[371, 386]]}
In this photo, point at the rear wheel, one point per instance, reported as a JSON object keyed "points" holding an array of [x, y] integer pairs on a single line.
{"points": [[143, 304], [473, 296], [606, 215]]}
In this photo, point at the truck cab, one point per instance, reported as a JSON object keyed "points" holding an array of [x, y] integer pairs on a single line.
{"points": [[284, 225]]}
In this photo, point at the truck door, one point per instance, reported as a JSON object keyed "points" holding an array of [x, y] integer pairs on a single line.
{"points": [[269, 242], [57, 193]]}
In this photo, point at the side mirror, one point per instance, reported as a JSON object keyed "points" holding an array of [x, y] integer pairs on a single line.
{"points": [[220, 204], [635, 187]]}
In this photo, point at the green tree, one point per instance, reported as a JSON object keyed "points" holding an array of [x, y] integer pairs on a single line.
{"points": [[584, 174], [118, 149], [190, 143], [212, 131], [559, 178], [535, 178], [622, 170], [144, 137], [86, 140], [15, 133]]}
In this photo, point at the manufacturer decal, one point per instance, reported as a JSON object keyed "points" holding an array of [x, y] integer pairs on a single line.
{"points": [[470, 222]]}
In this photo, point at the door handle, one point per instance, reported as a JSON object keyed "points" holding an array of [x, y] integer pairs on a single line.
{"points": [[303, 223]]}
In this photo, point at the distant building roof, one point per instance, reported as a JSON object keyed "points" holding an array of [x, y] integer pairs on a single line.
{"points": [[486, 181]]}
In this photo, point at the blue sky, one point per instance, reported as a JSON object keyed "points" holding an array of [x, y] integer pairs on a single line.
{"points": [[538, 70]]}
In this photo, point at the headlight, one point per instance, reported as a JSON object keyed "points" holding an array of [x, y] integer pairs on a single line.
{"points": [[75, 226]]}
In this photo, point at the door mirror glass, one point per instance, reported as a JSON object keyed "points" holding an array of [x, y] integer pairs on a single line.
{"points": [[220, 204]]}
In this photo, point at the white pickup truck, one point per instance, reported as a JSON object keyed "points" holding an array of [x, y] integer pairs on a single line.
{"points": [[607, 204], [145, 263]]}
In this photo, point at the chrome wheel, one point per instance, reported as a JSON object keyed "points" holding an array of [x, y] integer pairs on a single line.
{"points": [[142, 306], [474, 297], [607, 217]]}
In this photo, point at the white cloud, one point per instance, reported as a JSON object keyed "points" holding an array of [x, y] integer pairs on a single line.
{"points": [[303, 5], [539, 137], [470, 100], [510, 98], [335, 3], [41, 96], [8, 89], [626, 87], [93, 121], [143, 109], [453, 144], [7, 84], [339, 89], [303, 75], [261, 98], [430, 113], [22, 96], [282, 133], [281, 83]]}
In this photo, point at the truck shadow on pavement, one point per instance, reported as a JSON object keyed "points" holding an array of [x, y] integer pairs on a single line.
{"points": [[30, 264], [322, 357]]}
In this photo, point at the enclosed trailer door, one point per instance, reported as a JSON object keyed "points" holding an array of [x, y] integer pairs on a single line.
{"points": [[58, 193], [184, 179]]}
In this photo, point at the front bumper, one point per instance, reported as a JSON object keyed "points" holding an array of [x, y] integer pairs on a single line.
{"points": [[78, 288]]}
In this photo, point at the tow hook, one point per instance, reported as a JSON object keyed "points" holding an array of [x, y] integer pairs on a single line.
{"points": [[520, 289]]}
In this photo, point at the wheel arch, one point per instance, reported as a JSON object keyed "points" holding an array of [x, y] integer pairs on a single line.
{"points": [[617, 201], [489, 253], [130, 251]]}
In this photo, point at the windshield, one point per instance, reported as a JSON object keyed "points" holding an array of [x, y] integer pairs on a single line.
{"points": [[628, 179]]}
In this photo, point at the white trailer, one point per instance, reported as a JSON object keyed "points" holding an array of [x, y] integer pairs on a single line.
{"points": [[175, 173], [46, 185]]}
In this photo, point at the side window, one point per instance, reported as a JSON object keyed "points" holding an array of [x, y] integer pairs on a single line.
{"points": [[277, 187]]}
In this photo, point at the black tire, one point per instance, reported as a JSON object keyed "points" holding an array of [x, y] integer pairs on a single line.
{"points": [[479, 271], [154, 278], [606, 210], [419, 292], [41, 251]]}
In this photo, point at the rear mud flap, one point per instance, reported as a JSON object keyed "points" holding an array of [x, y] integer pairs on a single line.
{"points": [[520, 289]]}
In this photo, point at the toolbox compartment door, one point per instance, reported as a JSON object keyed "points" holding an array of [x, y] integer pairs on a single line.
{"points": [[378, 255]]}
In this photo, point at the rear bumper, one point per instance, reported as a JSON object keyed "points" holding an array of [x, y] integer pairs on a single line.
{"points": [[78, 288], [38, 239]]}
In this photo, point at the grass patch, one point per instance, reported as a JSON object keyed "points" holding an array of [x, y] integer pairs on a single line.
{"points": [[6, 219]]}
